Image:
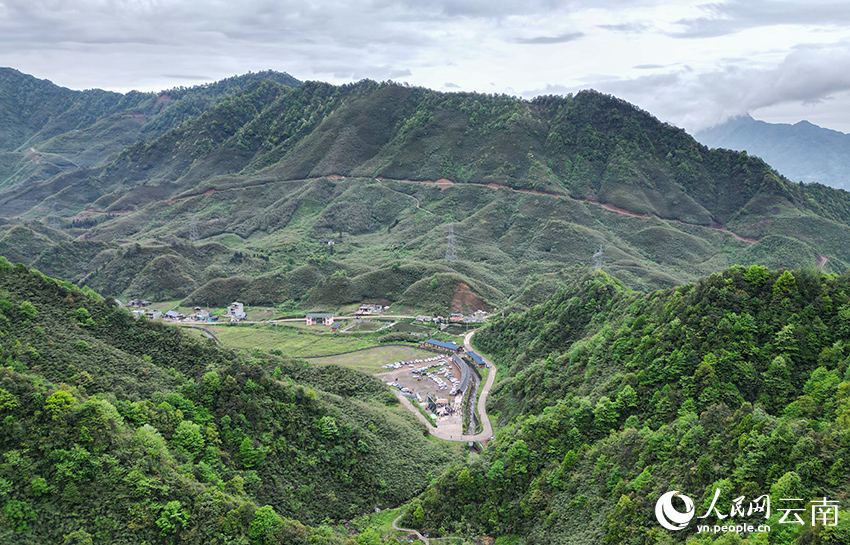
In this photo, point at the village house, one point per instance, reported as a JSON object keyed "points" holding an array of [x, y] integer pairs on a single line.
{"points": [[138, 303], [456, 317], [235, 308], [370, 308], [200, 315], [173, 315], [153, 314], [320, 318]]}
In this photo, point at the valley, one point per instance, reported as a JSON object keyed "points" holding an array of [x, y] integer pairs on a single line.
{"points": [[243, 313]]}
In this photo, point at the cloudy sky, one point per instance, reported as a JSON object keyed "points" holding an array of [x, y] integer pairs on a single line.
{"points": [[691, 63]]}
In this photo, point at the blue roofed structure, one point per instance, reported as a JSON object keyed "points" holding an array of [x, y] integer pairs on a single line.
{"points": [[476, 358], [440, 345]]}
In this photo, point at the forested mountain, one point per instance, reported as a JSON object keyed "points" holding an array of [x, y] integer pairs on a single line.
{"points": [[235, 190], [802, 151], [123, 431], [609, 398]]}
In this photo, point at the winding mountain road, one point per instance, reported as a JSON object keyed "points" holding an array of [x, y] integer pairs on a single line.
{"points": [[411, 531]]}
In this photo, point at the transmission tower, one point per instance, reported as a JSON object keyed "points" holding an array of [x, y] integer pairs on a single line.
{"points": [[451, 244], [597, 259], [193, 227], [52, 217]]}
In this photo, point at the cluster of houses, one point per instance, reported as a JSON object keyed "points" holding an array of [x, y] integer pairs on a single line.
{"points": [[367, 309], [476, 317], [235, 313]]}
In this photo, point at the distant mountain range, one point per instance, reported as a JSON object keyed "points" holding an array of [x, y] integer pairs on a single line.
{"points": [[801, 152], [235, 189]]}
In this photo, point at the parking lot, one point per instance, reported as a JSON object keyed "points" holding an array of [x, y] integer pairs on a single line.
{"points": [[437, 376]]}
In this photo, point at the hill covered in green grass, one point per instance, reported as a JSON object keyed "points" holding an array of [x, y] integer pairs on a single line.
{"points": [[123, 431], [246, 183], [608, 398]]}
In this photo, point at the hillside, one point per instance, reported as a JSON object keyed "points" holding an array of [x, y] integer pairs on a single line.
{"points": [[249, 190], [801, 152], [611, 397], [47, 130], [124, 431]]}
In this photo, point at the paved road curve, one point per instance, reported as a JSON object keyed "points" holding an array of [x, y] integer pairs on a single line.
{"points": [[486, 427]]}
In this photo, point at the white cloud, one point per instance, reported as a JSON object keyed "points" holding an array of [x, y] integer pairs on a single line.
{"points": [[734, 61]]}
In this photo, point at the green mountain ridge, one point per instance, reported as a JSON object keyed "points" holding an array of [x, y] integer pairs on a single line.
{"points": [[267, 174]]}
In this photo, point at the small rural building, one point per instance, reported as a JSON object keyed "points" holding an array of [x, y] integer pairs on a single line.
{"points": [[153, 314], [476, 358], [237, 317], [434, 344], [172, 315], [235, 308], [336, 326], [456, 317], [320, 318], [370, 308]]}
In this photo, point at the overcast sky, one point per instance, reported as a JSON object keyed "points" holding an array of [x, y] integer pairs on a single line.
{"points": [[691, 63]]}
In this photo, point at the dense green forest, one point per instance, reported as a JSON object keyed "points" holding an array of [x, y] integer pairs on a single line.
{"points": [[738, 382], [117, 430], [242, 183]]}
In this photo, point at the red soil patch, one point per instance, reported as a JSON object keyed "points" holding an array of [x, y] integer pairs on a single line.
{"points": [[161, 102], [466, 299]]}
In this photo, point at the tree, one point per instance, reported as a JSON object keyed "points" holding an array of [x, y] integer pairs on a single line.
{"points": [[370, 536], [28, 310], [265, 526], [784, 285], [705, 380], [78, 537], [59, 403], [605, 415], [328, 427], [776, 385], [627, 398], [172, 519], [189, 437]]}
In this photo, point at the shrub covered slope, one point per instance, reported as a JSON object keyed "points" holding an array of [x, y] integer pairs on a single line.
{"points": [[739, 382], [131, 432]]}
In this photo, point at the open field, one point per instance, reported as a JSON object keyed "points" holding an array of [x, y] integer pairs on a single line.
{"points": [[370, 361], [292, 341]]}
